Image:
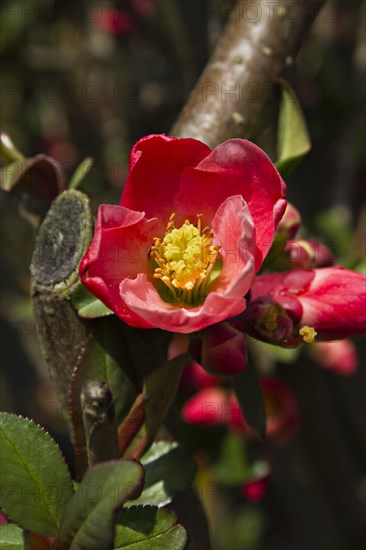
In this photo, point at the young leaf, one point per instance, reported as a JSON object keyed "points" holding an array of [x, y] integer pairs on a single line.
{"points": [[88, 520], [160, 388], [8, 151], [36, 483], [293, 137], [87, 305], [148, 528], [250, 398], [80, 173], [161, 463], [11, 537]]}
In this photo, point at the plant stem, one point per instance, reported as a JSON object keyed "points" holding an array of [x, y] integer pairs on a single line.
{"points": [[259, 41]]}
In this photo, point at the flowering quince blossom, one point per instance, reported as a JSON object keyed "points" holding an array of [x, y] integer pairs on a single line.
{"points": [[193, 226], [327, 302]]}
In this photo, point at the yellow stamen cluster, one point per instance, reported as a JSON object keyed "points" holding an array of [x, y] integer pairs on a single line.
{"points": [[185, 258], [308, 334]]}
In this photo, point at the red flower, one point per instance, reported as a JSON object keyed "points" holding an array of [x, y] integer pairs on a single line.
{"points": [[331, 300], [216, 405], [193, 226]]}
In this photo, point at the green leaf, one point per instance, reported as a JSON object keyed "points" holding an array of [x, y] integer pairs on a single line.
{"points": [[168, 470], [250, 398], [35, 481], [87, 305], [81, 171], [160, 388], [89, 518], [148, 528], [293, 137], [231, 468], [101, 359], [11, 537]]}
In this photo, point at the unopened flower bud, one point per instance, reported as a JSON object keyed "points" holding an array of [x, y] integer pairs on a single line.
{"points": [[302, 254], [267, 320], [221, 348], [290, 222]]}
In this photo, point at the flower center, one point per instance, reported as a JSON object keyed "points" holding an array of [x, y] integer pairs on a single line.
{"points": [[185, 258]]}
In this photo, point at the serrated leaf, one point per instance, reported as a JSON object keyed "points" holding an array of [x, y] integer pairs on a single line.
{"points": [[101, 359], [81, 171], [11, 537], [168, 470], [35, 481], [292, 135], [87, 305], [89, 517], [148, 528], [160, 388], [250, 398]]}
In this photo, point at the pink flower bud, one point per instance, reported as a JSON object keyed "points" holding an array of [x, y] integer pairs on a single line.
{"points": [[302, 254], [339, 356], [290, 222]]}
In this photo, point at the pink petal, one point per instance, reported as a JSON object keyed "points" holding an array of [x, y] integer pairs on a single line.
{"points": [[119, 250], [156, 163], [232, 224], [237, 167]]}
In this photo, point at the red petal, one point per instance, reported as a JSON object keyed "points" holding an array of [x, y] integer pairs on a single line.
{"points": [[156, 164], [335, 303], [237, 167], [208, 406]]}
